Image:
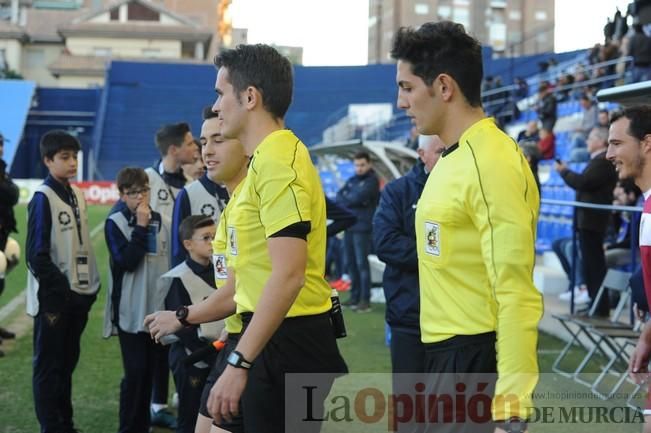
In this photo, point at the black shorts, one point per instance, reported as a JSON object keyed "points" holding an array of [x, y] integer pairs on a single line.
{"points": [[469, 360], [236, 425], [304, 344]]}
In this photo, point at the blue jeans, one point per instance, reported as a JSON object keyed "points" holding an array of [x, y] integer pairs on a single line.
{"points": [[563, 249], [357, 250]]}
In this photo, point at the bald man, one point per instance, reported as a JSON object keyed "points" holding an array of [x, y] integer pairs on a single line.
{"points": [[395, 244]]}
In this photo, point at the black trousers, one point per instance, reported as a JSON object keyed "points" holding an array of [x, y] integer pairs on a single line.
{"points": [[189, 381], [56, 353], [303, 345], [161, 381], [594, 266], [139, 352], [463, 361]]}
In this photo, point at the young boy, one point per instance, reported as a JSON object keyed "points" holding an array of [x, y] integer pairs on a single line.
{"points": [[62, 282], [138, 242], [176, 145], [191, 282]]}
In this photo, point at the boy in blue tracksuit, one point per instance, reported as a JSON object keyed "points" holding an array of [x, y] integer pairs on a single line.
{"points": [[62, 283], [191, 282], [138, 242]]}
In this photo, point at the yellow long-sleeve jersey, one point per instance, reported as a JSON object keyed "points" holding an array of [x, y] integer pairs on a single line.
{"points": [[475, 229]]}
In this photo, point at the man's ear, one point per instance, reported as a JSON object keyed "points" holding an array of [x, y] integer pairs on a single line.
{"points": [[187, 244], [252, 97], [446, 86], [645, 143]]}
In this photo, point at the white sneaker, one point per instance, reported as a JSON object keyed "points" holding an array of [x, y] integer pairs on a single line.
{"points": [[565, 296], [582, 297]]}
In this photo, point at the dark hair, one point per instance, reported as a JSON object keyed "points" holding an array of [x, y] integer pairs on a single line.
{"points": [[603, 110], [640, 117], [57, 140], [442, 47], [264, 68], [208, 113], [171, 135], [129, 177], [362, 154], [192, 223], [628, 185]]}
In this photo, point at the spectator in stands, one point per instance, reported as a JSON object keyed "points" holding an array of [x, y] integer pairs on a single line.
{"points": [[522, 90], [565, 83], [589, 119], [594, 184], [618, 250], [547, 143], [8, 199], [546, 107], [603, 119], [412, 140], [530, 133], [639, 47], [194, 170], [394, 237], [360, 195], [564, 250]]}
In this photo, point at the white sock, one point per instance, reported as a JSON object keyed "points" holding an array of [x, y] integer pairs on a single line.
{"points": [[157, 406]]}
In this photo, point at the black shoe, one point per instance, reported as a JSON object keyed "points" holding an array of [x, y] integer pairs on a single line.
{"points": [[2, 354], [7, 335], [163, 418]]}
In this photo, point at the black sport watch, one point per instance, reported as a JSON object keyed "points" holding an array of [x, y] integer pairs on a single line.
{"points": [[182, 315], [236, 359], [512, 425]]}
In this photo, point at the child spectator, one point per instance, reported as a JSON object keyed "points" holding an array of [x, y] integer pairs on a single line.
{"points": [[138, 240], [62, 282]]}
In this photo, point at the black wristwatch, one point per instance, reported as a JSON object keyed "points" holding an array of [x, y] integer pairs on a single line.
{"points": [[182, 315], [236, 359], [512, 425]]}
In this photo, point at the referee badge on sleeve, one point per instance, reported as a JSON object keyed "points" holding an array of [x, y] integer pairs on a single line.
{"points": [[220, 266], [432, 238]]}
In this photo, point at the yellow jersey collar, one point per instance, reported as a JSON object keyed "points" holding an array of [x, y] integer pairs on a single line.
{"points": [[476, 128]]}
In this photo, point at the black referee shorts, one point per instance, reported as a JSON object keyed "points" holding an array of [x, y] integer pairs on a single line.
{"points": [[469, 366], [236, 425], [304, 344]]}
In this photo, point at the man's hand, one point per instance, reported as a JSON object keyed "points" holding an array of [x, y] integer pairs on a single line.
{"points": [[559, 166], [224, 399], [162, 323], [638, 366]]}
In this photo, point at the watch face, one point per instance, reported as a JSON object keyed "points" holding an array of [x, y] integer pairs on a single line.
{"points": [[233, 359]]}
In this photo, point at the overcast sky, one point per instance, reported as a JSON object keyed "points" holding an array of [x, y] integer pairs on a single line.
{"points": [[335, 32]]}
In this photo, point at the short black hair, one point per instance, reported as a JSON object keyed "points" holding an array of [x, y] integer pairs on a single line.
{"points": [[129, 177], [208, 113], [57, 140], [362, 154], [442, 48], [171, 134], [640, 117], [264, 68], [192, 223]]}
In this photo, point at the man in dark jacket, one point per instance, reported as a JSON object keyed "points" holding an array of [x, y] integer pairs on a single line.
{"points": [[394, 236], [594, 185], [8, 199], [546, 108], [360, 195]]}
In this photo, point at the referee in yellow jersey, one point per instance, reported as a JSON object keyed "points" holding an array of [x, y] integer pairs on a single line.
{"points": [[277, 234], [475, 226]]}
